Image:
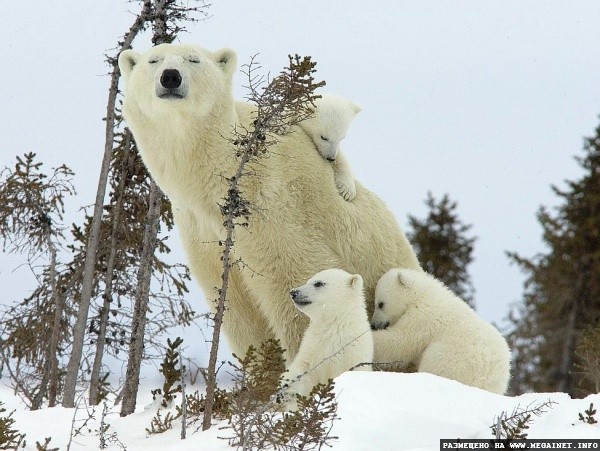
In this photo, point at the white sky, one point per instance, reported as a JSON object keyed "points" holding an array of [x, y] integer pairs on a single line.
{"points": [[485, 100]]}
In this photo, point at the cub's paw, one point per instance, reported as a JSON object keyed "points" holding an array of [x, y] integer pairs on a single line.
{"points": [[346, 188]]}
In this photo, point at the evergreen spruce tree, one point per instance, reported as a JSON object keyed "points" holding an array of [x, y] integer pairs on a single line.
{"points": [[562, 289], [443, 247], [32, 332]]}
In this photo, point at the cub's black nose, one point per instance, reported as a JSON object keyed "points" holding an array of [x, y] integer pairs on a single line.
{"points": [[170, 78], [294, 294]]}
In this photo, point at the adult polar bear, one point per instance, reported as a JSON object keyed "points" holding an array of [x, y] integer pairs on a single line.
{"points": [[179, 106]]}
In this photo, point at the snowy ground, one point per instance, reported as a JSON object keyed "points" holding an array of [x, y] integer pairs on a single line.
{"points": [[378, 411]]}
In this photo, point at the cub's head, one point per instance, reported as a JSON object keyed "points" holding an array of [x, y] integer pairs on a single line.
{"points": [[169, 78], [329, 124], [393, 294], [328, 293]]}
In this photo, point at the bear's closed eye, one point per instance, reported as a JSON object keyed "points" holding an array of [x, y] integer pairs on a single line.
{"points": [[318, 284]]}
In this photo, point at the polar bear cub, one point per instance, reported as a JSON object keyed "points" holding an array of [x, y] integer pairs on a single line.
{"points": [[338, 336], [427, 325], [327, 127]]}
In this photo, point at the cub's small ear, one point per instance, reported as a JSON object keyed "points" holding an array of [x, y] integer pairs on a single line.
{"points": [[127, 59], [356, 108], [227, 59], [401, 281], [356, 281]]}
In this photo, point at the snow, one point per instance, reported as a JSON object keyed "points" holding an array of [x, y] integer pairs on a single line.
{"points": [[377, 411]]}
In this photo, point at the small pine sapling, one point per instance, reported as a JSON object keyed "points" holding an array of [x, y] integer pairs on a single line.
{"points": [[103, 388], [308, 427], [515, 425], [44, 446], [171, 371], [589, 415], [10, 438], [258, 376], [158, 425], [262, 370], [253, 408], [195, 406]]}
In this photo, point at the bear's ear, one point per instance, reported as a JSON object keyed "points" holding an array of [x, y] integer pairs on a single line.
{"points": [[356, 108], [403, 283], [127, 59], [227, 60], [356, 281]]}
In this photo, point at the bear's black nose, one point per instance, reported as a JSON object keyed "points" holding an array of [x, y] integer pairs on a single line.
{"points": [[170, 78], [294, 294]]}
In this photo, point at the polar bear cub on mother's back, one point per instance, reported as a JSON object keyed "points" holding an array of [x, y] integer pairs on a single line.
{"points": [[427, 325], [338, 336], [327, 127]]}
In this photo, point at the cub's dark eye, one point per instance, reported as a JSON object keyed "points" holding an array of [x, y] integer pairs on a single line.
{"points": [[323, 138], [380, 305], [193, 59], [318, 284], [153, 61]]}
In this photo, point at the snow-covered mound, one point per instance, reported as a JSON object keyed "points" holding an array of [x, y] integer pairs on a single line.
{"points": [[395, 411], [378, 411]]}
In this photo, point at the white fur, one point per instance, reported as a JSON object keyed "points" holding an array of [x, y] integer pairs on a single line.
{"points": [[300, 224], [338, 337], [327, 127], [429, 326]]}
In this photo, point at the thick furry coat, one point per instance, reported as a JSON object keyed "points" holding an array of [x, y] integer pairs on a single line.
{"points": [[299, 226], [423, 323], [338, 337]]}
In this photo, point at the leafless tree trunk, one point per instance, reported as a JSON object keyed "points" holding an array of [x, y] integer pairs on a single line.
{"points": [[161, 35], [160, 22], [59, 305], [50, 377], [93, 241], [136, 346], [183, 398], [108, 288], [211, 380]]}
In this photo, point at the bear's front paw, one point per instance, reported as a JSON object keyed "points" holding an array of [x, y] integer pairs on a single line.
{"points": [[346, 188]]}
